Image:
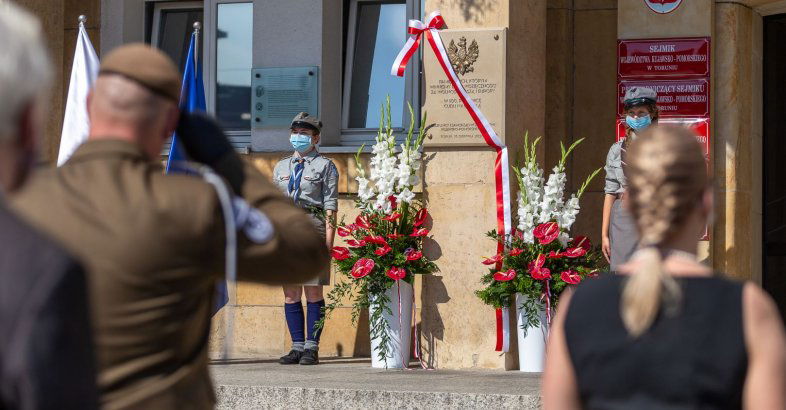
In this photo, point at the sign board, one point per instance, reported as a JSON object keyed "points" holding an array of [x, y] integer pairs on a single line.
{"points": [[278, 94], [663, 6], [478, 58], [683, 98], [663, 57]]}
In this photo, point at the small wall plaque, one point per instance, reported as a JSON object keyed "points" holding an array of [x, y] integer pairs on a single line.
{"points": [[278, 94]]}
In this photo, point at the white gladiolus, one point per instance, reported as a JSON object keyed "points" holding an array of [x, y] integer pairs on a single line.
{"points": [[540, 203]]}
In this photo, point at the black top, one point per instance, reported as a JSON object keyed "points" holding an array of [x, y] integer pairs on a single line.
{"points": [[693, 359], [46, 352]]}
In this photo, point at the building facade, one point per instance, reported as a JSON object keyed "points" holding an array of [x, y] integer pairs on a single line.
{"points": [[558, 68]]}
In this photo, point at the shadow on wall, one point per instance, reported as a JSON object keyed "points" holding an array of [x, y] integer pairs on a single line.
{"points": [[362, 340], [473, 10], [434, 292]]}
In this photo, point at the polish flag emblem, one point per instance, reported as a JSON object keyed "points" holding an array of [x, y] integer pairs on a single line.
{"points": [[663, 6]]}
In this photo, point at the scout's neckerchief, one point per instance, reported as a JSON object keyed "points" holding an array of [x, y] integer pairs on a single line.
{"points": [[501, 168]]}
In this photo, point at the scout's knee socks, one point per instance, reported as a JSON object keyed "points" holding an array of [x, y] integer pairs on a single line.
{"points": [[294, 314], [313, 315]]}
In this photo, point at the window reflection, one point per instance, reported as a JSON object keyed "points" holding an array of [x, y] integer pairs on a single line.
{"points": [[379, 36], [174, 33], [233, 65]]}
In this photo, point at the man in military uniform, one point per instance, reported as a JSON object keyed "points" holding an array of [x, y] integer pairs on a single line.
{"points": [[153, 244], [311, 180]]}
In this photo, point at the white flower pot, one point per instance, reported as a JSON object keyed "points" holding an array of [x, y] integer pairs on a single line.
{"points": [[399, 344], [532, 339]]}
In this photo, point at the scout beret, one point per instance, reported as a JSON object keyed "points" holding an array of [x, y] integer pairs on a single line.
{"points": [[307, 121], [640, 95], [147, 66]]}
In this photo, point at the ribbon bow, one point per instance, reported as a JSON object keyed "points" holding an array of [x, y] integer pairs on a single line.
{"points": [[501, 168], [416, 29]]}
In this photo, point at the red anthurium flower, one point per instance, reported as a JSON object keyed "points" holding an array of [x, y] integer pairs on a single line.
{"points": [[555, 255], [396, 273], [420, 217], [356, 244], [540, 274], [339, 253], [412, 254], [547, 232], [570, 276], [362, 222], [581, 242], [352, 227], [383, 250], [575, 252], [516, 251], [505, 276], [419, 232], [392, 217], [492, 260], [362, 268], [343, 231], [394, 236], [375, 239], [393, 202]]}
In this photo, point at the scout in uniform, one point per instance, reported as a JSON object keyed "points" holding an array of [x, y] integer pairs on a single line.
{"points": [[619, 235], [153, 244], [311, 181]]}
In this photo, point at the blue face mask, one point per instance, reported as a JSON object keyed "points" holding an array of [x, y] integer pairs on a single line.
{"points": [[638, 123], [301, 142]]}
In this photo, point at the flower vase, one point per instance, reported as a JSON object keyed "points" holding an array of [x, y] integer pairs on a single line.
{"points": [[398, 348], [532, 339]]}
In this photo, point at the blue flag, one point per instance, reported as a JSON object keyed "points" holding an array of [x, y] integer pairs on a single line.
{"points": [[192, 98]]}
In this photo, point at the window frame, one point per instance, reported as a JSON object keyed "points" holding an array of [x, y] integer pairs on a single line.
{"points": [[159, 6], [412, 77], [210, 47]]}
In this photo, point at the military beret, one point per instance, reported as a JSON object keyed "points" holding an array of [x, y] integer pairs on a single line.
{"points": [[640, 95], [307, 121], [147, 66]]}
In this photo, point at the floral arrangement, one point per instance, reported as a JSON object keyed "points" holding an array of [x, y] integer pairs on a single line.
{"points": [[540, 258], [384, 244]]}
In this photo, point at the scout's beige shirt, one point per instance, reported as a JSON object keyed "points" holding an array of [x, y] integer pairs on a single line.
{"points": [[153, 246]]}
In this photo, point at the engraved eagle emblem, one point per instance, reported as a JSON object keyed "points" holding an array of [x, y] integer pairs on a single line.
{"points": [[461, 57]]}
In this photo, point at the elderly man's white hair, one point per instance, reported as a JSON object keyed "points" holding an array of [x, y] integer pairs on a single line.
{"points": [[25, 70]]}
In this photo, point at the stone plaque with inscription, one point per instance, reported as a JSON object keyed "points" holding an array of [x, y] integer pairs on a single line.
{"points": [[478, 58]]}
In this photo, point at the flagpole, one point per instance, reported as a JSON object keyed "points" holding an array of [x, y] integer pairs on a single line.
{"points": [[197, 28]]}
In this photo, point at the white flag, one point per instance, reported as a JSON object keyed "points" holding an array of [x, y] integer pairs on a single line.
{"points": [[83, 74]]}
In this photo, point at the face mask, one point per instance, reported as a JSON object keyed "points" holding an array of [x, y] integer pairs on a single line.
{"points": [[300, 142], [638, 123]]}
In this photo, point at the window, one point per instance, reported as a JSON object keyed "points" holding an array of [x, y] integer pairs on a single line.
{"points": [[173, 24], [227, 27], [233, 65], [376, 31]]}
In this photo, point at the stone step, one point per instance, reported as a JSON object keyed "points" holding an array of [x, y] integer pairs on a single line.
{"points": [[339, 383]]}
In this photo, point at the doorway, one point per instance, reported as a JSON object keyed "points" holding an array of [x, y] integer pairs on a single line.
{"points": [[774, 146]]}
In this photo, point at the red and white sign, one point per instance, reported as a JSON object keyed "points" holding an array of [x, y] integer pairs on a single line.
{"points": [[663, 57], [663, 6], [680, 98]]}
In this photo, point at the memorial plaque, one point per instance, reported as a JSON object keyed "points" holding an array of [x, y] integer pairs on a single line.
{"points": [[278, 94], [676, 98], [663, 57], [478, 58]]}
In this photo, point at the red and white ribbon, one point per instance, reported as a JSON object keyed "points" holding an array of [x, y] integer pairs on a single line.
{"points": [[501, 166], [503, 329]]}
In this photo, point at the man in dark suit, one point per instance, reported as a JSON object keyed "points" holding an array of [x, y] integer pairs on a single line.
{"points": [[46, 353]]}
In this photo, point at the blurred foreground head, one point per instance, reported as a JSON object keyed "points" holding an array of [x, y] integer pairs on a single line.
{"points": [[25, 77], [671, 202], [135, 98]]}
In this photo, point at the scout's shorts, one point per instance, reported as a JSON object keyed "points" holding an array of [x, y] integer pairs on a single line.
{"points": [[324, 277], [623, 235]]}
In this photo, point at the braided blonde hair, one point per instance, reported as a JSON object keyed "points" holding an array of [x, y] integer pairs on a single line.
{"points": [[667, 177]]}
